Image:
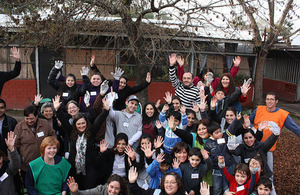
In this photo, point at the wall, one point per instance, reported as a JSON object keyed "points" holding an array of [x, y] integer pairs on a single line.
{"points": [[16, 93], [284, 90]]}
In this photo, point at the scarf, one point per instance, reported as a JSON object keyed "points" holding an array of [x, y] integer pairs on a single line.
{"points": [[81, 144]]}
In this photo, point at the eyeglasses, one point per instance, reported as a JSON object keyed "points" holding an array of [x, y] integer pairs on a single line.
{"points": [[170, 183]]}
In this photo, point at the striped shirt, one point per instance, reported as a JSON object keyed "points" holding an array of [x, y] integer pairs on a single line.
{"points": [[187, 95]]}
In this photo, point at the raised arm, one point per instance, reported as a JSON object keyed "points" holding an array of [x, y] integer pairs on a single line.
{"points": [[52, 81]]}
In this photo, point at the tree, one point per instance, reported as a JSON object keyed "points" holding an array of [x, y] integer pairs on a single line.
{"points": [[268, 33]]}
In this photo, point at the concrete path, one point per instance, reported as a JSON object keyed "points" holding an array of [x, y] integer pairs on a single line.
{"points": [[293, 108]]}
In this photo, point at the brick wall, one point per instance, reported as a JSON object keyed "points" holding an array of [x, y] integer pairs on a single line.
{"points": [[15, 93], [284, 90]]}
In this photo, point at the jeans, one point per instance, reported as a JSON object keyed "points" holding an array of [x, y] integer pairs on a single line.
{"points": [[270, 164], [220, 181]]}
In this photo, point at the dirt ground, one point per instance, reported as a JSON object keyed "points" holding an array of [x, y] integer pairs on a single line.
{"points": [[287, 163]]}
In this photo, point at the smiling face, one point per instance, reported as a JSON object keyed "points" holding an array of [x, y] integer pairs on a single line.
{"points": [[131, 106], [202, 131], [121, 146], [225, 81], [249, 139], [149, 110], [96, 80], [122, 83], [271, 102], [187, 79], [191, 119], [194, 160], [50, 151], [176, 104], [229, 116], [113, 188], [181, 155], [240, 177], [48, 113], [72, 109], [145, 143], [170, 185], [81, 125], [70, 81]]}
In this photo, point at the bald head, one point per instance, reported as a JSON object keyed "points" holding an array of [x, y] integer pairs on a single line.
{"points": [[187, 79]]}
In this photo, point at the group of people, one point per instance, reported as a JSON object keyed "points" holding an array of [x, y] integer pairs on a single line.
{"points": [[97, 137]]}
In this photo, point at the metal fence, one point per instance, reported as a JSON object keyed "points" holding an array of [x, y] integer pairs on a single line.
{"points": [[283, 69]]}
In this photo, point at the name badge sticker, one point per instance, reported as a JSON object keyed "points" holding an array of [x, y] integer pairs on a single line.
{"points": [[195, 176], [65, 94], [221, 141], [93, 93], [121, 166], [40, 134], [125, 124], [240, 188], [3, 177]]}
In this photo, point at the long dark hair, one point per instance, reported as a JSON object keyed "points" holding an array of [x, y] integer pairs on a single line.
{"points": [[75, 132], [231, 87], [178, 147], [139, 149], [75, 84], [146, 119], [123, 183]]}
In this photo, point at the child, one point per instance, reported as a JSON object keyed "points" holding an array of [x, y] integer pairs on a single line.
{"points": [[240, 182], [159, 167], [264, 186], [216, 146], [193, 171], [169, 136]]}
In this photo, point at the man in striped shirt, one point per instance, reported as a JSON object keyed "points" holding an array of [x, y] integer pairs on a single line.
{"points": [[185, 90]]}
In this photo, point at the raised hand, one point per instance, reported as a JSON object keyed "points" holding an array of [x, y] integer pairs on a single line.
{"points": [[231, 144], [130, 152], [200, 85], [37, 99], [92, 62], [182, 109], [204, 154], [237, 60], [157, 104], [172, 59], [87, 98], [274, 128], [245, 88], [56, 103], [176, 163], [158, 142], [148, 77], [58, 64], [103, 145], [118, 73], [262, 125], [238, 115], [213, 103], [168, 97], [165, 108], [254, 166], [247, 121], [202, 94], [171, 122], [132, 175], [180, 60], [15, 53], [202, 105], [204, 188], [158, 124], [160, 157], [195, 107], [72, 185], [104, 87], [106, 105], [10, 141], [84, 71], [147, 150]]}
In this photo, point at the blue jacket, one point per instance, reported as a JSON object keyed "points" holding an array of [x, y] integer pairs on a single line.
{"points": [[156, 175]]}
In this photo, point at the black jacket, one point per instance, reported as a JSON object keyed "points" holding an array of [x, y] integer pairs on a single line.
{"points": [[6, 76], [8, 125]]}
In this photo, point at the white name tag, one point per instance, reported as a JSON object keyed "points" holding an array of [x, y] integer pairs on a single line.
{"points": [[195, 176], [3, 177], [93, 93], [246, 160], [125, 124], [221, 141], [240, 188], [65, 94], [40, 134], [121, 166]]}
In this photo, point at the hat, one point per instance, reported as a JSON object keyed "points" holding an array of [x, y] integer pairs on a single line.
{"points": [[133, 97]]}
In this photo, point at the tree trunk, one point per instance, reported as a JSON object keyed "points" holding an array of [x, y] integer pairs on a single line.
{"points": [[259, 74]]}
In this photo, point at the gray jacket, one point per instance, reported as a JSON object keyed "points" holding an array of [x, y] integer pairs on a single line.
{"points": [[100, 189]]}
